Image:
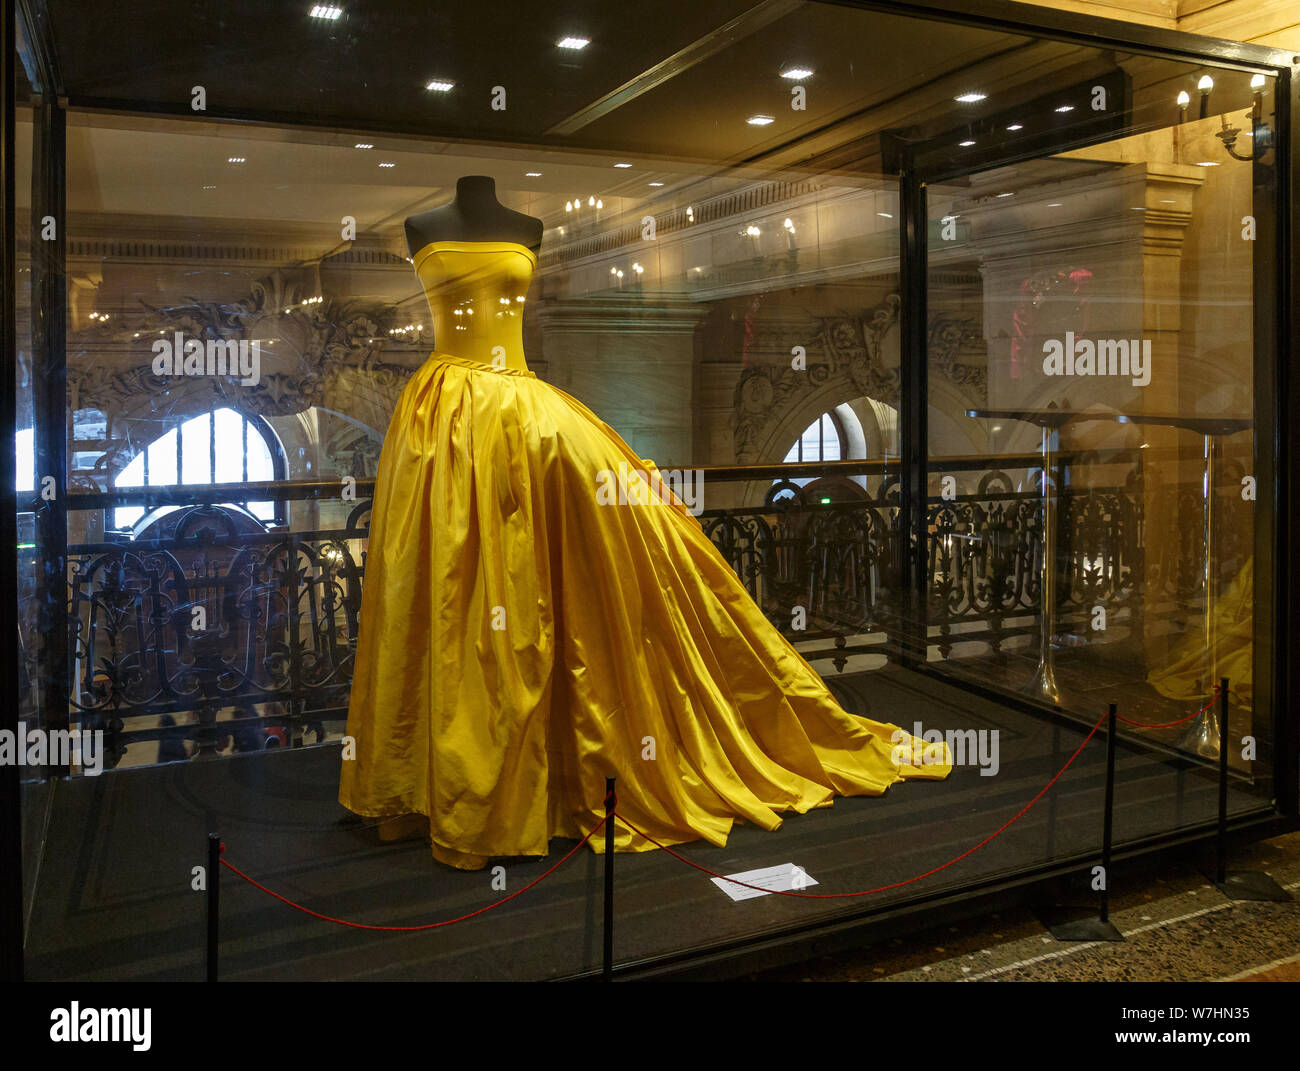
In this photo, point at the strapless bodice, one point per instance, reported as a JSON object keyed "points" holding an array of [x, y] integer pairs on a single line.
{"points": [[476, 293]]}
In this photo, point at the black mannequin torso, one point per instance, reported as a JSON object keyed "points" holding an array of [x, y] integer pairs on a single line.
{"points": [[475, 215]]}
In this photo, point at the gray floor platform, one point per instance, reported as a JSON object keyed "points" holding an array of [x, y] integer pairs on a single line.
{"points": [[113, 898]]}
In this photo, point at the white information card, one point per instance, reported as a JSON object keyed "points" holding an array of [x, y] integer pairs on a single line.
{"points": [[783, 878]]}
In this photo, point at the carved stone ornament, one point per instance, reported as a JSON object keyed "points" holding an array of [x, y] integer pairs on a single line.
{"points": [[849, 348], [306, 341]]}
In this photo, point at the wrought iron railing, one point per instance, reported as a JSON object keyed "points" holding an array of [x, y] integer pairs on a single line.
{"points": [[212, 633]]}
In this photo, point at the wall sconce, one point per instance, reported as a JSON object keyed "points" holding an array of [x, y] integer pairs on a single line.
{"points": [[1184, 99], [1261, 137], [1260, 134], [1204, 86], [1257, 83]]}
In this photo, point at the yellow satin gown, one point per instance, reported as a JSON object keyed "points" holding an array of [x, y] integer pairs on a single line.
{"points": [[520, 641]]}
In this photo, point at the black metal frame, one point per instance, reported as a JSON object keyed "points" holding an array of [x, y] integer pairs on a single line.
{"points": [[11, 830], [988, 14]]}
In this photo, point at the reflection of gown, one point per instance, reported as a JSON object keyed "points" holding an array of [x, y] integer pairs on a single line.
{"points": [[1186, 672], [520, 641]]}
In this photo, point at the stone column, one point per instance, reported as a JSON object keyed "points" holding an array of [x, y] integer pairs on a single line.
{"points": [[631, 360], [1099, 255]]}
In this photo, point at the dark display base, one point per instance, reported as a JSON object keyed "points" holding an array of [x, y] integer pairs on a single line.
{"points": [[114, 899]]}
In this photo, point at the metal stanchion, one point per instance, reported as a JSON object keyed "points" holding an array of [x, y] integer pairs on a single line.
{"points": [[607, 970], [1108, 818], [213, 902], [1236, 884], [1221, 848], [1051, 799], [1064, 922]]}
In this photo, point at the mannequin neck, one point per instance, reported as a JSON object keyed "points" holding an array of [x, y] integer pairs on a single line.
{"points": [[476, 192]]}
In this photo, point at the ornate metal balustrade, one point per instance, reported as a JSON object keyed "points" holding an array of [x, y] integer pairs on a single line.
{"points": [[209, 631], [209, 613]]}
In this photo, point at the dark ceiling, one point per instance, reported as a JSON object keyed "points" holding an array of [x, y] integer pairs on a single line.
{"points": [[666, 79], [371, 64]]}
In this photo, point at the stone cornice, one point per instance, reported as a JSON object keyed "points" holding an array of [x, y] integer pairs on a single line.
{"points": [[662, 314]]}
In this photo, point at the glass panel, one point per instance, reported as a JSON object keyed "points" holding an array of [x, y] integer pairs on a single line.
{"points": [[719, 282], [1092, 518], [35, 793]]}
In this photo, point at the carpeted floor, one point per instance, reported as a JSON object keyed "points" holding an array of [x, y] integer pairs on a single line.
{"points": [[1177, 928]]}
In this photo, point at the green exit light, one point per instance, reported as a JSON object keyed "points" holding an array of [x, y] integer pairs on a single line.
{"points": [[826, 501]]}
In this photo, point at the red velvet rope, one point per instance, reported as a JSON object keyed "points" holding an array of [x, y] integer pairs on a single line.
{"points": [[713, 873], [427, 925], [1218, 690], [898, 884]]}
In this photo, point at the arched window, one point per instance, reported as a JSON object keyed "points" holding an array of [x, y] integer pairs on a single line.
{"points": [[836, 435], [223, 446], [820, 441]]}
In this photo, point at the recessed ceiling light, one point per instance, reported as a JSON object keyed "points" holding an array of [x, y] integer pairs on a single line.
{"points": [[363, 145], [532, 174], [575, 43], [1139, 208], [235, 160], [971, 98], [622, 165], [886, 215], [760, 120], [1066, 108], [797, 73], [1006, 195], [1054, 204], [656, 184], [1016, 126], [325, 11], [1167, 202], [209, 187], [966, 144], [440, 85], [1207, 163], [387, 164]]}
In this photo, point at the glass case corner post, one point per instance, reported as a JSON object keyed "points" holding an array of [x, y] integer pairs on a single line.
{"points": [[913, 531], [11, 882], [49, 396]]}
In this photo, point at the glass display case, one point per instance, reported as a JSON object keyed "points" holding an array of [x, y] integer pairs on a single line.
{"points": [[960, 335]]}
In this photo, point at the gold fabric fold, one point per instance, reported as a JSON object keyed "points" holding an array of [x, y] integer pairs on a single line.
{"points": [[520, 642]]}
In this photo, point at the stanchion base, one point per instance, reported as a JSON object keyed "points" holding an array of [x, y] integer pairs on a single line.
{"points": [[1203, 737], [1072, 924], [1043, 687], [1251, 885]]}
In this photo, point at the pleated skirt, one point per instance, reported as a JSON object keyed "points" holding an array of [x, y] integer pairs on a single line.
{"points": [[523, 637]]}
